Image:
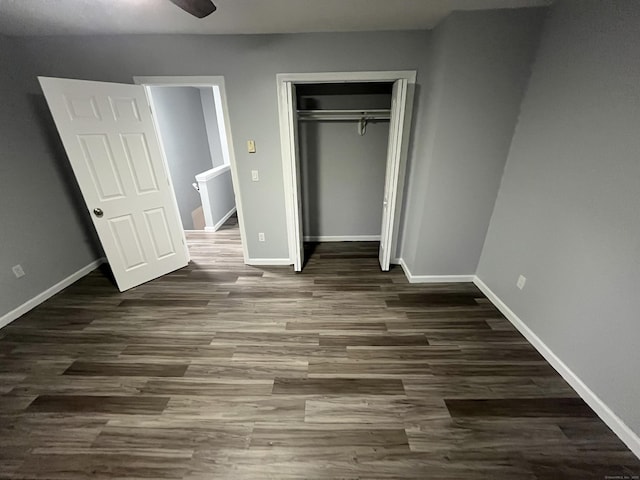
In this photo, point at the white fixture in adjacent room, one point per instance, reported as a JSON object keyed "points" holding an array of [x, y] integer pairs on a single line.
{"points": [[521, 281], [18, 271]]}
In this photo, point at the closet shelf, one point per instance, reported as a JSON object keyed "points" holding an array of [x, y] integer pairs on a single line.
{"points": [[345, 115]]}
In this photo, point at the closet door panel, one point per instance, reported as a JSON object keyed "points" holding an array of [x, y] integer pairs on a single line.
{"points": [[295, 236], [396, 130]]}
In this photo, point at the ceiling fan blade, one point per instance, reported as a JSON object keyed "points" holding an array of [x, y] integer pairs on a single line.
{"points": [[197, 8]]}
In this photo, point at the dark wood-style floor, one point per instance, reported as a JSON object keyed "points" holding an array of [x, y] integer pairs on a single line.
{"points": [[224, 371]]}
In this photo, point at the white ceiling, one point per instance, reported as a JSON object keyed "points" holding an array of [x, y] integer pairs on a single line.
{"points": [[75, 17]]}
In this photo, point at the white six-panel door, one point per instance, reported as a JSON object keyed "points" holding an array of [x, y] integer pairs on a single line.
{"points": [[110, 139], [394, 153]]}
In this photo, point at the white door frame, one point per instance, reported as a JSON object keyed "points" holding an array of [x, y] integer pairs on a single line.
{"points": [[288, 167], [208, 81]]}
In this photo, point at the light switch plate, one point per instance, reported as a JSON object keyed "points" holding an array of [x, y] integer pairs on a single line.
{"points": [[254, 176], [251, 146]]}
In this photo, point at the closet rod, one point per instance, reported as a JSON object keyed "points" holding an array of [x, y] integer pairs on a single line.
{"points": [[377, 114]]}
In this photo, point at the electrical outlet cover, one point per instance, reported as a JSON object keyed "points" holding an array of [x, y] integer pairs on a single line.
{"points": [[18, 271]]}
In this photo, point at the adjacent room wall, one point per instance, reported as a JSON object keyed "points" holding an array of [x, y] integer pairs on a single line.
{"points": [[567, 214], [222, 202], [480, 63], [211, 122], [44, 223], [183, 132]]}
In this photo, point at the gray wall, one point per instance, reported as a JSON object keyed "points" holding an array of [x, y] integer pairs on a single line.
{"points": [[211, 122], [221, 198], [479, 65], [249, 64], [183, 132], [567, 215], [44, 224], [342, 177]]}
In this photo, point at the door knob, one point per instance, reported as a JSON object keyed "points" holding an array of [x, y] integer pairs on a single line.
{"points": [[98, 212]]}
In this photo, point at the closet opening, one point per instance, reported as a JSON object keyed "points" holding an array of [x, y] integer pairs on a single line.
{"points": [[343, 134], [344, 147]]}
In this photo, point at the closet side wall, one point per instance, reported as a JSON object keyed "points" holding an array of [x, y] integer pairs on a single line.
{"points": [[211, 124]]}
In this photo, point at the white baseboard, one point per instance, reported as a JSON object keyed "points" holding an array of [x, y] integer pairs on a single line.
{"points": [[269, 261], [395, 261], [433, 278], [628, 436], [217, 226], [32, 303], [342, 238]]}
